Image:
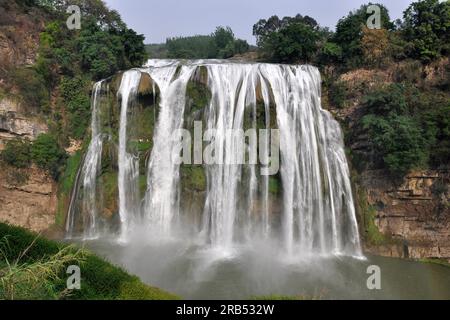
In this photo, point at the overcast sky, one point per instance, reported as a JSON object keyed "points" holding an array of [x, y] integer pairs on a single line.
{"points": [[160, 19]]}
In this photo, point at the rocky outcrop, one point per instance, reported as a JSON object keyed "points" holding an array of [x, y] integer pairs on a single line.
{"points": [[28, 198], [416, 214], [410, 219], [13, 124], [19, 34]]}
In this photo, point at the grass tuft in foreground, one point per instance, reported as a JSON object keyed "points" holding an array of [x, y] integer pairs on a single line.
{"points": [[32, 267]]}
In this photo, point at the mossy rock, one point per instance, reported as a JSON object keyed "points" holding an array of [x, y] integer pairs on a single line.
{"points": [[115, 81], [193, 178], [275, 185], [198, 96], [200, 76], [146, 85], [110, 194]]}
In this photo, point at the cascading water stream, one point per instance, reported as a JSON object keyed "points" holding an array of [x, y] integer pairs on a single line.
{"points": [[128, 164], [161, 202], [86, 185], [318, 215]]}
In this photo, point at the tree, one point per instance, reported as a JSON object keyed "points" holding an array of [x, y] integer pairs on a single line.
{"points": [[349, 32], [291, 39], [427, 27], [219, 44], [223, 36], [398, 140]]}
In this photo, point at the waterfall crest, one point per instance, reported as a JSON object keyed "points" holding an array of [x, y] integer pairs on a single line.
{"points": [[310, 212]]}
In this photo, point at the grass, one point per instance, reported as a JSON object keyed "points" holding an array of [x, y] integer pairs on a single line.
{"points": [[32, 267]]}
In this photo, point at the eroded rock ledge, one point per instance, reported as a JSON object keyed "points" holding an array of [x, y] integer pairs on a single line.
{"points": [[414, 215]]}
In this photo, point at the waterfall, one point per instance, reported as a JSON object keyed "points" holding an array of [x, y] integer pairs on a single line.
{"points": [[128, 164], [316, 215], [86, 180], [161, 202]]}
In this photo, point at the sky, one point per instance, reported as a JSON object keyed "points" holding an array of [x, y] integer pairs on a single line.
{"points": [[160, 19]]}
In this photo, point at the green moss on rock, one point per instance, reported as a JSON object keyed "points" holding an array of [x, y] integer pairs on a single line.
{"points": [[193, 178]]}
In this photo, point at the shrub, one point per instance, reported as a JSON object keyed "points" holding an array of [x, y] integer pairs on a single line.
{"points": [[75, 94], [17, 153], [398, 140], [338, 94], [47, 154], [330, 53], [32, 88]]}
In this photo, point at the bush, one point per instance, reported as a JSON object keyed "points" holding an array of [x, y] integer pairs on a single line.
{"points": [[398, 140], [75, 94], [47, 154], [32, 87], [17, 153], [388, 100], [337, 93], [408, 127], [330, 53]]}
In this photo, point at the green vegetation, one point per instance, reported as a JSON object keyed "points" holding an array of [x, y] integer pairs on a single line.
{"points": [[47, 154], [156, 50], [406, 130], [349, 33], [75, 95], [293, 39], [17, 153], [35, 268], [193, 178], [440, 262], [66, 182], [198, 96], [275, 186], [67, 62], [44, 152], [423, 34], [220, 44], [371, 233], [406, 123], [33, 87], [426, 25]]}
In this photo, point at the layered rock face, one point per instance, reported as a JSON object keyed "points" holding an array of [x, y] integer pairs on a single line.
{"points": [[414, 215], [410, 219], [15, 124], [28, 198]]}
